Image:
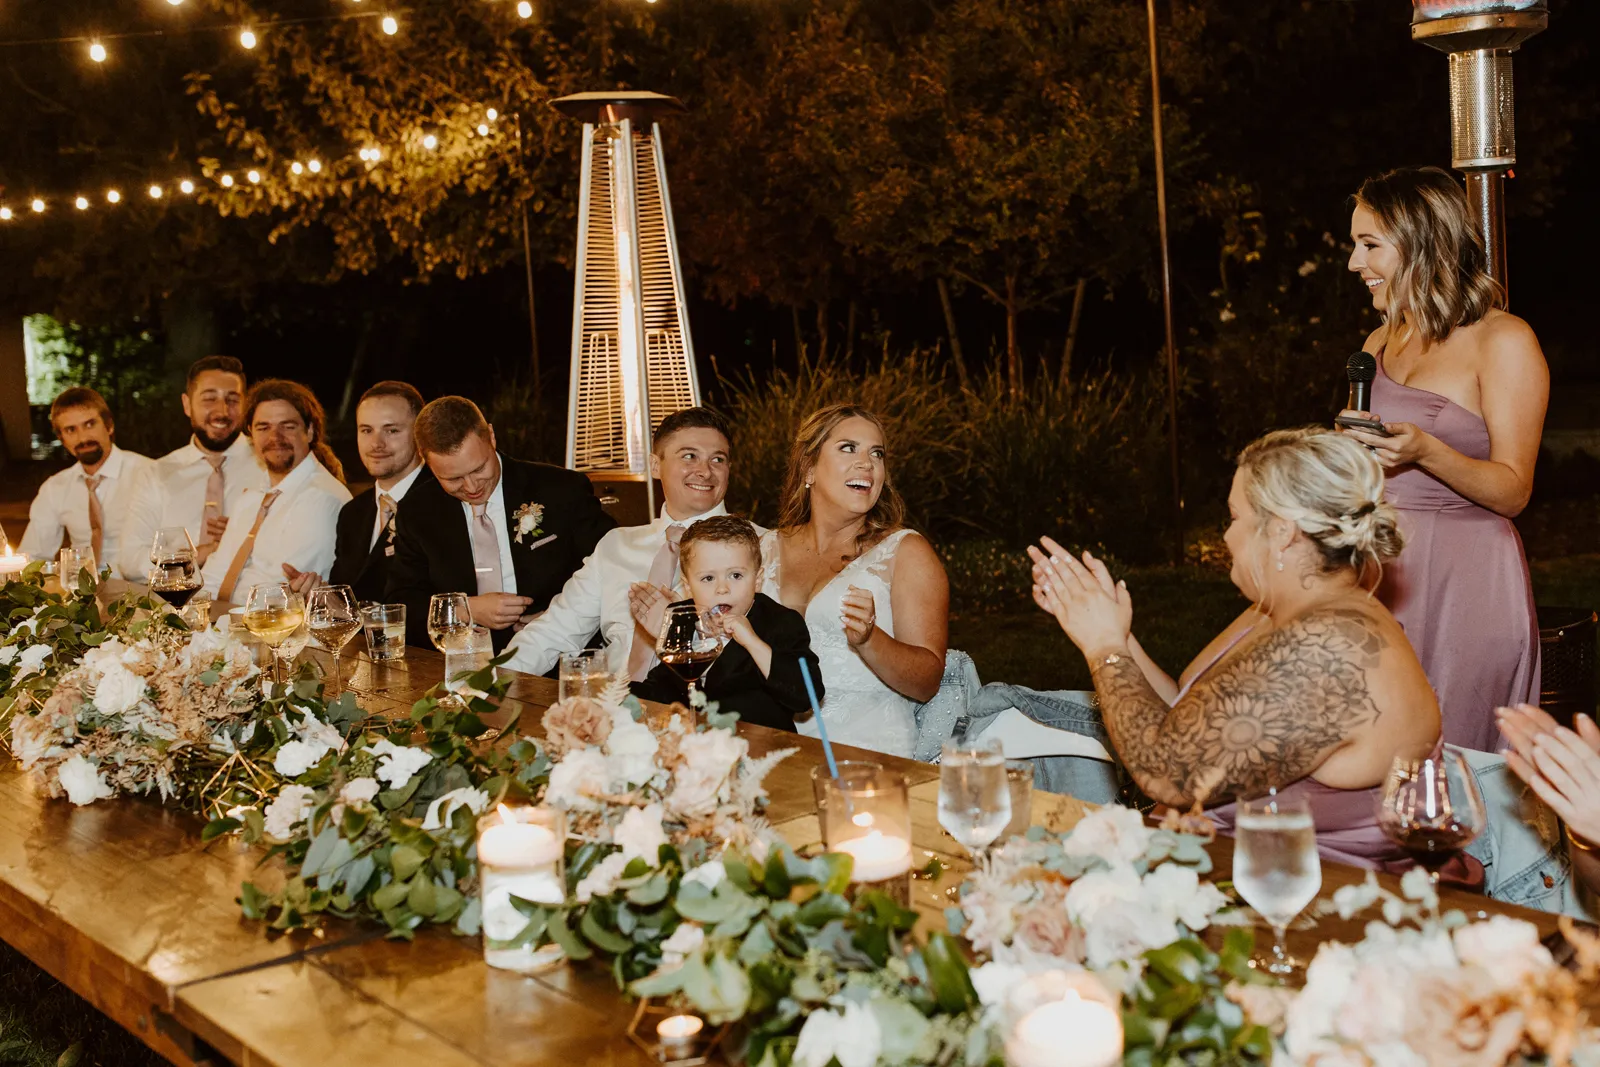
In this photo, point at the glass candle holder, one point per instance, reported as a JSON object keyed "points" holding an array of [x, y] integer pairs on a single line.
{"points": [[1019, 776], [1063, 1019], [866, 814], [820, 777], [521, 854], [673, 1034]]}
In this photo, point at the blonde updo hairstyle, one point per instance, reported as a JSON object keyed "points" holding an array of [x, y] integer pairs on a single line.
{"points": [[1331, 488]]}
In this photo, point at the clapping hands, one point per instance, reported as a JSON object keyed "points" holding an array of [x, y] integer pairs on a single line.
{"points": [[1092, 609], [1561, 766]]}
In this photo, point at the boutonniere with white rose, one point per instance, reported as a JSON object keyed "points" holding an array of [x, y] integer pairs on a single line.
{"points": [[525, 521]]}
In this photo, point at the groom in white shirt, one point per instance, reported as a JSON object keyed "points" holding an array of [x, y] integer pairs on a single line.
{"points": [[691, 460]]}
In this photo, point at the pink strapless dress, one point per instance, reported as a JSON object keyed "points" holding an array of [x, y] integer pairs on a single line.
{"points": [[1460, 587]]}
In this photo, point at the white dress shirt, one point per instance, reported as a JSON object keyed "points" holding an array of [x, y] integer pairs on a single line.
{"points": [[172, 492], [299, 530], [502, 533], [62, 506], [596, 598], [397, 494]]}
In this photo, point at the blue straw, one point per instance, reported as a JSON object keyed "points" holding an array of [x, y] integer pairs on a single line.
{"points": [[816, 710]]}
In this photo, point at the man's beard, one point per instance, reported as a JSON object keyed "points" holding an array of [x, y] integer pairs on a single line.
{"points": [[279, 462], [90, 454], [216, 444]]}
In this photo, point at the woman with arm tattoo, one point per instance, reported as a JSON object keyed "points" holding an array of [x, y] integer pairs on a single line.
{"points": [[1312, 691]]}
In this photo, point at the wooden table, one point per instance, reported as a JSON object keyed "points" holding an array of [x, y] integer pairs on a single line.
{"points": [[122, 903]]}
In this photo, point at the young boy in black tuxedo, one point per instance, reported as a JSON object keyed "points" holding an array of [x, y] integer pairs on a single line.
{"points": [[758, 672]]}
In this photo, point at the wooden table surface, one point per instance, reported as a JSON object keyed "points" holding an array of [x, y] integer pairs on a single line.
{"points": [[122, 903]]}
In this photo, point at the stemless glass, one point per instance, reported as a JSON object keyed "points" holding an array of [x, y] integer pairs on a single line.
{"points": [[585, 673], [974, 793], [1276, 867], [71, 562], [448, 613], [173, 574], [689, 643], [333, 618], [273, 612], [1431, 806]]}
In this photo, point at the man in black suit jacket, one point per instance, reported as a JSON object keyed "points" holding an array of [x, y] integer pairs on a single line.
{"points": [[506, 532], [364, 543]]}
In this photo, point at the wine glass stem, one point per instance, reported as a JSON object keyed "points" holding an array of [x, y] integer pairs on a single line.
{"points": [[1280, 954]]}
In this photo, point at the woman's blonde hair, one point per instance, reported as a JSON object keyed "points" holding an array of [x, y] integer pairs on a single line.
{"points": [[1443, 280], [886, 516], [1331, 488]]}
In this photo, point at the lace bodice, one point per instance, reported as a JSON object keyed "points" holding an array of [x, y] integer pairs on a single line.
{"points": [[859, 708]]}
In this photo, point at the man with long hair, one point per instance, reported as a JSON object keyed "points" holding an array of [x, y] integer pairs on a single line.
{"points": [[86, 502], [288, 528], [198, 485]]}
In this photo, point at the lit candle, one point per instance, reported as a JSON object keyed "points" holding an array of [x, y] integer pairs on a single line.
{"points": [[878, 857], [677, 1033], [1071, 1032], [523, 860], [12, 563]]}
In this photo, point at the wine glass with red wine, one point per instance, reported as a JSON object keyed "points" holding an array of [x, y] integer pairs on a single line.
{"points": [[173, 574], [1431, 806], [690, 642]]}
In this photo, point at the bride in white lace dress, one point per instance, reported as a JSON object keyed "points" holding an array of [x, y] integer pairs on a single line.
{"points": [[873, 592]]}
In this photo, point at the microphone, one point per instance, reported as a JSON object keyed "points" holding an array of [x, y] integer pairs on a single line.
{"points": [[1361, 369]]}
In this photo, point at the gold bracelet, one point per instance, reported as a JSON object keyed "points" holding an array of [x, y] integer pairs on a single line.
{"points": [[1577, 842]]}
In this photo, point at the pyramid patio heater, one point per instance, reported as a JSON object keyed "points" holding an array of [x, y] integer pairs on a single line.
{"points": [[632, 358], [1479, 36]]}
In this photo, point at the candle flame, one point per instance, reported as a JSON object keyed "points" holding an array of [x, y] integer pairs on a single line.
{"points": [[505, 814], [863, 818]]}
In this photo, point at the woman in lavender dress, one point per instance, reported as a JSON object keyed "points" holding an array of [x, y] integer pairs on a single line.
{"points": [[1461, 388]]}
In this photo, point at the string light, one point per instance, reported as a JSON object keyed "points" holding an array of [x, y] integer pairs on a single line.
{"points": [[5, 214], [174, 3], [186, 186], [390, 26], [37, 205], [525, 10], [254, 177], [315, 166], [82, 203], [112, 196], [483, 129], [430, 142], [227, 181], [493, 114], [295, 167], [155, 192], [97, 52], [247, 39]]}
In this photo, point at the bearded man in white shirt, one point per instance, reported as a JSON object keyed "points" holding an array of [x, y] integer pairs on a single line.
{"points": [[690, 458], [290, 525], [87, 502], [198, 485]]}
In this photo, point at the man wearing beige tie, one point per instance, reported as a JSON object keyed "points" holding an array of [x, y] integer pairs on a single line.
{"points": [[198, 485], [385, 420], [289, 525], [690, 457], [504, 531], [86, 503]]}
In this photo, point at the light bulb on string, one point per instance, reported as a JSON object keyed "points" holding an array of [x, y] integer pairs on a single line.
{"points": [[97, 52], [315, 166], [295, 167], [82, 203], [483, 129], [390, 26], [247, 39], [493, 114], [525, 10], [175, 3], [5, 214], [227, 181], [112, 196], [155, 192], [254, 177], [186, 187], [37, 205], [430, 142]]}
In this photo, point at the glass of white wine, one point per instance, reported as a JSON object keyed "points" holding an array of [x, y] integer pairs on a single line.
{"points": [[273, 612], [974, 792], [1276, 867], [334, 619]]}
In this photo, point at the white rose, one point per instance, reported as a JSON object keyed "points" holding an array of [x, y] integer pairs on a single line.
{"points": [[32, 659], [1507, 949], [630, 750], [439, 811], [1116, 834], [694, 792], [1122, 931], [109, 651], [576, 778], [1309, 1019], [83, 781], [853, 1038], [709, 760], [715, 752], [288, 809], [684, 942], [1175, 892], [317, 732], [119, 690], [601, 879], [709, 875], [994, 981], [7, 654], [1089, 894], [640, 834], [359, 791], [295, 758], [397, 764]]}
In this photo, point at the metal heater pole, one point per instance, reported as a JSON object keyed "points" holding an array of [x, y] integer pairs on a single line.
{"points": [[1166, 283]]}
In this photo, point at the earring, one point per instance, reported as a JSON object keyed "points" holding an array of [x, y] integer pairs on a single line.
{"points": [[1280, 561]]}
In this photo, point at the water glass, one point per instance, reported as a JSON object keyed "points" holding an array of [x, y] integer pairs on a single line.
{"points": [[586, 673], [521, 853], [1019, 776], [385, 627], [1276, 867], [447, 613], [1431, 806], [72, 562], [974, 792], [466, 651]]}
